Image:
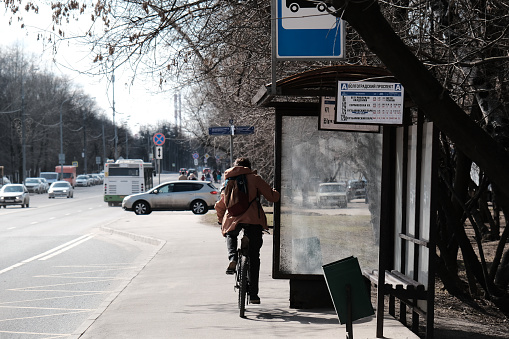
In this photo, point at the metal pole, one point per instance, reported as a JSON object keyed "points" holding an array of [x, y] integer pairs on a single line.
{"points": [[104, 147], [61, 160], [232, 127], [113, 85], [85, 141], [23, 129]]}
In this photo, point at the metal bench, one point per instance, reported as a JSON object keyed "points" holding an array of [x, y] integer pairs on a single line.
{"points": [[405, 289]]}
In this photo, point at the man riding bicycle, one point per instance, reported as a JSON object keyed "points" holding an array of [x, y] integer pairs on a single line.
{"points": [[253, 221]]}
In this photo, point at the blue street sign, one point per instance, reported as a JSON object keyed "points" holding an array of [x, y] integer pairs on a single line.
{"points": [[305, 30], [227, 130], [219, 130], [244, 129], [158, 139]]}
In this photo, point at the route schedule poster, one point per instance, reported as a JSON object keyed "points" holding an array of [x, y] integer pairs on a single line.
{"points": [[370, 102]]}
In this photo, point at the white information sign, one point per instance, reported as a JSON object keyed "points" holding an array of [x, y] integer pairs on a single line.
{"points": [[370, 102], [328, 122]]}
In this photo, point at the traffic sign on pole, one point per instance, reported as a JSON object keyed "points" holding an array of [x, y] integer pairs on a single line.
{"points": [[219, 130], [159, 152], [159, 139], [244, 129], [228, 130]]}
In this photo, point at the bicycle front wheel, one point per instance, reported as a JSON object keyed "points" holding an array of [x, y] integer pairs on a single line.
{"points": [[244, 269]]}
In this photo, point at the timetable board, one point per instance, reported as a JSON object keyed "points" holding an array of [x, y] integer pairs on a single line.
{"points": [[363, 102]]}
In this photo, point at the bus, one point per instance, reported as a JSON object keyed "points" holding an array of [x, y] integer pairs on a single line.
{"points": [[125, 177]]}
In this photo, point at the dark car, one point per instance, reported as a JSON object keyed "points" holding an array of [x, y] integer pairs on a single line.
{"points": [[356, 189]]}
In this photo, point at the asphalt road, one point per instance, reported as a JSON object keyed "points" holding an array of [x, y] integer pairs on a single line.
{"points": [[57, 267]]}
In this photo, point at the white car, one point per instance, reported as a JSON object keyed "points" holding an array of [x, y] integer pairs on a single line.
{"points": [[331, 194], [82, 180], [34, 185], [60, 189], [14, 194], [45, 184]]}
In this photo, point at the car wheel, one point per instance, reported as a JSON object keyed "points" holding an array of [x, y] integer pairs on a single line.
{"points": [[27, 205], [141, 207], [199, 207], [321, 7], [22, 205]]}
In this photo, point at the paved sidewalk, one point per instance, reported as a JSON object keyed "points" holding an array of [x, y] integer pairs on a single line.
{"points": [[182, 292]]}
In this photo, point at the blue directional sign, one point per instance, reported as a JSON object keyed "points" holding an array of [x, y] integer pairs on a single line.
{"points": [[306, 30], [244, 129], [158, 139], [227, 130], [219, 130]]}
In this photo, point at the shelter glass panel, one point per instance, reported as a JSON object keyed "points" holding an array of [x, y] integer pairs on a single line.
{"points": [[330, 196]]}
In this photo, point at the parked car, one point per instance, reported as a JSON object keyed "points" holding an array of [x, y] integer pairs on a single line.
{"points": [[45, 184], [331, 194], [34, 185], [14, 194], [197, 196], [356, 189], [82, 180], [60, 189]]}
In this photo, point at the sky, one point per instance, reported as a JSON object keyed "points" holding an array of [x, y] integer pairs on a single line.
{"points": [[138, 104]]}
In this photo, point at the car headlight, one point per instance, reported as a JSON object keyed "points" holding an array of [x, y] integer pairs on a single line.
{"points": [[65, 191]]}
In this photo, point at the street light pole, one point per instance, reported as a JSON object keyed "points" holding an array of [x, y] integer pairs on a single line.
{"points": [[84, 141], [113, 86], [61, 156]]}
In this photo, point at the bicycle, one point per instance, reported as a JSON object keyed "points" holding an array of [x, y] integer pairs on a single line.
{"points": [[242, 275]]}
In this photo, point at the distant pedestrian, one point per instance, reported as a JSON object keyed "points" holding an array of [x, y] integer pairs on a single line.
{"points": [[182, 176]]}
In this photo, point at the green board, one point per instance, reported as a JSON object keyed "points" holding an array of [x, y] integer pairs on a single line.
{"points": [[338, 275]]}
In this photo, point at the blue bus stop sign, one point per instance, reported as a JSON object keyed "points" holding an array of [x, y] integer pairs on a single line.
{"points": [[305, 30]]}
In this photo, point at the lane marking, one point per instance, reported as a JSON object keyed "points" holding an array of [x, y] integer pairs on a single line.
{"points": [[68, 247], [69, 243], [11, 228], [34, 222]]}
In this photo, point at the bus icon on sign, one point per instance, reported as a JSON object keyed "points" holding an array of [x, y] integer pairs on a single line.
{"points": [[295, 5]]}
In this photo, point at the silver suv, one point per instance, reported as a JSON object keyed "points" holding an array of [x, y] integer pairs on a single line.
{"points": [[194, 195]]}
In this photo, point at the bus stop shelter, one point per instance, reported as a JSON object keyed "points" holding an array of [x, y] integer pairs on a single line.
{"points": [[383, 173]]}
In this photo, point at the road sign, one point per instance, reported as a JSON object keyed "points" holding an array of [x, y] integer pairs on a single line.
{"points": [[195, 162], [305, 30], [196, 155], [159, 139], [159, 152], [227, 130], [219, 130], [61, 158], [75, 163], [244, 129]]}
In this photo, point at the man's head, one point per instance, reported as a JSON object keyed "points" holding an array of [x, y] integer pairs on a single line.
{"points": [[242, 162]]}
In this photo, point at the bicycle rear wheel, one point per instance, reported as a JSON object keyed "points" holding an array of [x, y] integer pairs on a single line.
{"points": [[244, 269]]}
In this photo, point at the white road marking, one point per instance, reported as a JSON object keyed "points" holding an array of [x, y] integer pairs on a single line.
{"points": [[48, 254]]}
